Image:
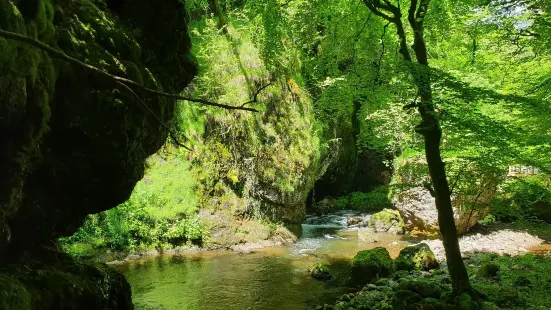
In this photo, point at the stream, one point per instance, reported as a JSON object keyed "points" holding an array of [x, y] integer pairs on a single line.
{"points": [[270, 278]]}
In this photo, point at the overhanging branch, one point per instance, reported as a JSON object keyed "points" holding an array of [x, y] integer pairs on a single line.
{"points": [[61, 55]]}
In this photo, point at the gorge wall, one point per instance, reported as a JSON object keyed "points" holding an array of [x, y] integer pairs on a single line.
{"points": [[74, 142]]}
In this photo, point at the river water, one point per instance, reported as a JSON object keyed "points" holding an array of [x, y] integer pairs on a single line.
{"points": [[271, 278]]}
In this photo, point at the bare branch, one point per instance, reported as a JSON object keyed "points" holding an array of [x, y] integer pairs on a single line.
{"points": [[59, 54]]}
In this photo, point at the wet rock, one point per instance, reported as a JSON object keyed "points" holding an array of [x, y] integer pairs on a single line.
{"points": [[367, 235], [320, 271], [417, 257], [354, 221], [388, 221], [368, 265]]}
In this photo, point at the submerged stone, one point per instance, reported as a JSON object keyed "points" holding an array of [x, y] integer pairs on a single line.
{"points": [[367, 235], [320, 271]]}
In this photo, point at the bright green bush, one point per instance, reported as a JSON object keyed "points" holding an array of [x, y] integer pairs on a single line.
{"points": [[374, 200]]}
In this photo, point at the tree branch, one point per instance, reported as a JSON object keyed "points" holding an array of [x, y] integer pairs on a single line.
{"points": [[255, 97], [375, 9], [59, 54]]}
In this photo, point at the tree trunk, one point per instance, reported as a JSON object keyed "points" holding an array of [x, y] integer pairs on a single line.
{"points": [[429, 128]]}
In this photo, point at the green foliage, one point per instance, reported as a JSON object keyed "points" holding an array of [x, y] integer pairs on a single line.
{"points": [[373, 200], [159, 214], [525, 198]]}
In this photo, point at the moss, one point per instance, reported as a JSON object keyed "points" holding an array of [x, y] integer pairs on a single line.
{"points": [[14, 295], [387, 221], [489, 270], [368, 265], [320, 271], [423, 288], [418, 257]]}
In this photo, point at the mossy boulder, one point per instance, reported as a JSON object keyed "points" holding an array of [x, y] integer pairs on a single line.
{"points": [[389, 221], [60, 282], [417, 257], [369, 265], [488, 270], [320, 271], [423, 288]]}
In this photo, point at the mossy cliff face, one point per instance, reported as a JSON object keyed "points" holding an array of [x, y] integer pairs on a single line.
{"points": [[74, 142]]}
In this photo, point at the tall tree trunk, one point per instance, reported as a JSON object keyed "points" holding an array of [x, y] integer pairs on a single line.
{"points": [[429, 128]]}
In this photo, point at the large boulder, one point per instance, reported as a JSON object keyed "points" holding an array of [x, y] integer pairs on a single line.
{"points": [[388, 221], [417, 257], [418, 210], [369, 265]]}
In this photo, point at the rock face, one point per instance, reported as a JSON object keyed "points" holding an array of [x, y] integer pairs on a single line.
{"points": [[418, 209], [369, 265], [74, 142]]}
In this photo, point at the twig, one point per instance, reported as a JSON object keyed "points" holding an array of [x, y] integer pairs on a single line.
{"points": [[58, 53], [255, 97]]}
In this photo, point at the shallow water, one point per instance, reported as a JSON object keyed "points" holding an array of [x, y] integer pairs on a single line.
{"points": [[272, 278]]}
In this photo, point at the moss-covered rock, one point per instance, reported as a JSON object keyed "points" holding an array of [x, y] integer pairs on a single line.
{"points": [[61, 282], [422, 287], [320, 271], [488, 270], [368, 265], [417, 257], [389, 221]]}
